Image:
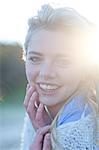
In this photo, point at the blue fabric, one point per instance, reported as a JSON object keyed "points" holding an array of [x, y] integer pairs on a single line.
{"points": [[73, 110]]}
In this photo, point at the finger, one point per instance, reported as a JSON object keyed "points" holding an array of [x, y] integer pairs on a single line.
{"points": [[27, 87], [38, 140], [42, 131], [40, 113], [28, 95], [37, 144], [31, 106], [47, 142]]}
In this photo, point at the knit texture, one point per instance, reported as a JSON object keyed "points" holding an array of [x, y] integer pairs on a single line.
{"points": [[77, 135]]}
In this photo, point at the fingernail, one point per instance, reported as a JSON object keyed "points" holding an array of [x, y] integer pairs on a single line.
{"points": [[48, 135], [35, 93], [31, 87], [27, 86]]}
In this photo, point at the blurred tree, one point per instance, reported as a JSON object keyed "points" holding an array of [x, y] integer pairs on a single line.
{"points": [[12, 70]]}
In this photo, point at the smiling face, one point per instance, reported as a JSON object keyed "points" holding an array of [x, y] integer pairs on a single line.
{"points": [[53, 63]]}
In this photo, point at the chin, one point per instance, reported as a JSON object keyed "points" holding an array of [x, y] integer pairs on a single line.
{"points": [[50, 101], [46, 101]]}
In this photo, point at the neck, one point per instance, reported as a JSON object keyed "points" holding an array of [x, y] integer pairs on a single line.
{"points": [[55, 109]]}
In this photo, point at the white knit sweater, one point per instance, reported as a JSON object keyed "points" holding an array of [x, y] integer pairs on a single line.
{"points": [[75, 135]]}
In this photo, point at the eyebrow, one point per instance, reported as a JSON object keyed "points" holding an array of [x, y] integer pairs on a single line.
{"points": [[35, 53]]}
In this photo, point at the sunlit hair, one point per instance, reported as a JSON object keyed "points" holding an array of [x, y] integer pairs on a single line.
{"points": [[49, 18], [65, 19], [62, 19]]}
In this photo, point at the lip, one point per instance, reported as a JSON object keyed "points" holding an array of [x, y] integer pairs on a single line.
{"points": [[47, 92], [41, 82]]}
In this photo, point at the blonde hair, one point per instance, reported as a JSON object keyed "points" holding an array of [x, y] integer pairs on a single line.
{"points": [[49, 18], [66, 18]]}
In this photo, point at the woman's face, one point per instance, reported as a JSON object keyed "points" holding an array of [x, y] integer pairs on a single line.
{"points": [[54, 65]]}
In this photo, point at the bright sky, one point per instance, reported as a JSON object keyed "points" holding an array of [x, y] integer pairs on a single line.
{"points": [[15, 13]]}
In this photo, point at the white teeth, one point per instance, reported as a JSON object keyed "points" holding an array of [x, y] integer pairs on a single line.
{"points": [[48, 87]]}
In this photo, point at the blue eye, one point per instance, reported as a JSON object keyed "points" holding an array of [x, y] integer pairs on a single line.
{"points": [[35, 59], [63, 62]]}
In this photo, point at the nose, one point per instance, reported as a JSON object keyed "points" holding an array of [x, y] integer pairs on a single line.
{"points": [[47, 71]]}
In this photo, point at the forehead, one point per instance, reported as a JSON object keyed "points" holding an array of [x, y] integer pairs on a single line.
{"points": [[55, 43]]}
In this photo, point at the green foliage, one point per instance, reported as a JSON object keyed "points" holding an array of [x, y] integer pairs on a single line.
{"points": [[12, 70]]}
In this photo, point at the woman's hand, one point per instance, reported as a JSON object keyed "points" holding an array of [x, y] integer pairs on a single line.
{"points": [[42, 140], [38, 116]]}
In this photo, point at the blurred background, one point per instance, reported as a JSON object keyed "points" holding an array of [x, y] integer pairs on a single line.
{"points": [[13, 26], [12, 89]]}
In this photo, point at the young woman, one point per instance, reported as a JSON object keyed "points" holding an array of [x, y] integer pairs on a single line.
{"points": [[60, 98]]}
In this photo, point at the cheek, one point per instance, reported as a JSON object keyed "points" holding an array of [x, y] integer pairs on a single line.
{"points": [[71, 76], [31, 73]]}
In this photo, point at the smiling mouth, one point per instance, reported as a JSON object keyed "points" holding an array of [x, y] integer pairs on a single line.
{"points": [[48, 87]]}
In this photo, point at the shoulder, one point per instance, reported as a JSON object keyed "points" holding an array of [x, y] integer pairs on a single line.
{"points": [[73, 111], [78, 134]]}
